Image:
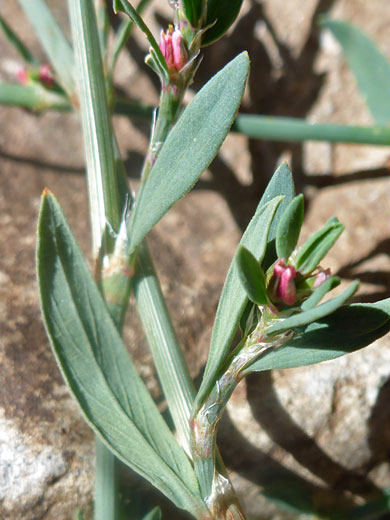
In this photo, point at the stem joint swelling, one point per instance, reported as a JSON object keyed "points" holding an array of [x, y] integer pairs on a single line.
{"points": [[217, 491]]}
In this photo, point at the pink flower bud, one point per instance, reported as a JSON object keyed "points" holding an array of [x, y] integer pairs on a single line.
{"points": [[179, 51], [46, 75], [22, 76], [173, 49], [284, 282]]}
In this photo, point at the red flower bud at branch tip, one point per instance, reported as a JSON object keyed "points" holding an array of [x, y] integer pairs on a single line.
{"points": [[46, 75], [284, 278], [173, 49]]}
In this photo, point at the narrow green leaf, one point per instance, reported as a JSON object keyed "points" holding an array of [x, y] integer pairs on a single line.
{"points": [[123, 33], [251, 276], [53, 41], [190, 147], [248, 320], [193, 10], [14, 40], [98, 369], [290, 495], [155, 514], [320, 292], [233, 299], [126, 7], [282, 183], [33, 97], [348, 329], [289, 228], [316, 247], [163, 343], [368, 64], [220, 16], [314, 314], [103, 25]]}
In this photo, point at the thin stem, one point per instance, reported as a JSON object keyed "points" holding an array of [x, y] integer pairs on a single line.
{"points": [[107, 505], [105, 200], [104, 178], [291, 129], [33, 97], [168, 109], [275, 128], [204, 424]]}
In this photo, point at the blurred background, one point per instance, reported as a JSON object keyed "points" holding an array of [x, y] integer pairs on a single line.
{"points": [[314, 439]]}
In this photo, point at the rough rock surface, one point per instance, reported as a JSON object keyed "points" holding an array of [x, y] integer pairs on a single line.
{"points": [[324, 428]]}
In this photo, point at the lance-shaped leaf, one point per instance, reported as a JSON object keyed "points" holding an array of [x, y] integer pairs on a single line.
{"points": [[251, 276], [314, 314], [316, 247], [320, 292], [289, 228], [98, 369], [157, 56], [190, 147], [14, 40], [53, 41], [155, 514], [220, 16], [368, 64], [123, 33], [346, 330], [193, 10], [282, 183], [234, 298]]}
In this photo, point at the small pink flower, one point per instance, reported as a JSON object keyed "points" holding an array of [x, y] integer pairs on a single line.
{"points": [[284, 282], [173, 49], [46, 75], [22, 76], [322, 276]]}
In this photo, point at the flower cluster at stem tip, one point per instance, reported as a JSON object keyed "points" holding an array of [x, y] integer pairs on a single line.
{"points": [[288, 286], [173, 49], [43, 75]]}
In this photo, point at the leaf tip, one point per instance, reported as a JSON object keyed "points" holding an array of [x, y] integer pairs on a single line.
{"points": [[116, 7], [46, 192]]}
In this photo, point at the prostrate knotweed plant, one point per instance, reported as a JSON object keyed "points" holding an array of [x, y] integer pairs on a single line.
{"points": [[273, 292]]}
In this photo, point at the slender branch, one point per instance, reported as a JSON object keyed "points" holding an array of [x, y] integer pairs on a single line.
{"points": [[106, 484], [291, 129], [168, 109]]}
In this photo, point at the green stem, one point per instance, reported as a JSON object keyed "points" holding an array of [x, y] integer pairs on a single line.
{"points": [[107, 505], [291, 129], [215, 491], [104, 177], [271, 128], [105, 200], [33, 97], [168, 109], [275, 128]]}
